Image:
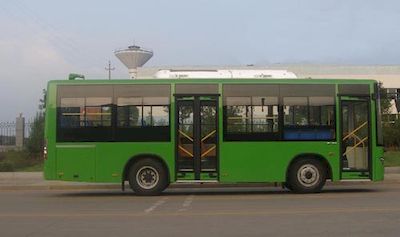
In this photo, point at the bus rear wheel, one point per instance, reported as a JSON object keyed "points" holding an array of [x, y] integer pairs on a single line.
{"points": [[307, 176], [148, 177]]}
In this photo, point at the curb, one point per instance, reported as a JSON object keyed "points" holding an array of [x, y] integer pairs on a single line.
{"points": [[57, 187], [15, 181], [177, 186], [392, 170]]}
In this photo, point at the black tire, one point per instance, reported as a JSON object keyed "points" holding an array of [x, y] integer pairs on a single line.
{"points": [[306, 176], [148, 177]]}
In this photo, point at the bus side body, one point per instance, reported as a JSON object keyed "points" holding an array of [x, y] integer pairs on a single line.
{"points": [[238, 161]]}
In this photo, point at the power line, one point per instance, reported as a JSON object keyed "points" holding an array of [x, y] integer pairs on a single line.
{"points": [[109, 68]]}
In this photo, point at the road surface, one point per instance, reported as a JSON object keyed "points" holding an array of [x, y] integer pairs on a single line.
{"points": [[348, 210]]}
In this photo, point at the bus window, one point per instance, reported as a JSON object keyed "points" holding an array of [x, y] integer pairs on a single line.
{"points": [[296, 111], [237, 114], [264, 114], [308, 112], [309, 118], [98, 112], [156, 111], [143, 112], [250, 115], [71, 112], [251, 112], [84, 113], [251, 118], [160, 116], [137, 112], [129, 111], [322, 111]]}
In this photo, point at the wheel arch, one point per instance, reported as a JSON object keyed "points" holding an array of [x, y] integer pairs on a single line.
{"points": [[139, 157], [314, 156]]}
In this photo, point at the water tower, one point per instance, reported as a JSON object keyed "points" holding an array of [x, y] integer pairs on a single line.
{"points": [[133, 57]]}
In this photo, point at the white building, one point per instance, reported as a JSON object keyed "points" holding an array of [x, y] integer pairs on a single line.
{"points": [[388, 75]]}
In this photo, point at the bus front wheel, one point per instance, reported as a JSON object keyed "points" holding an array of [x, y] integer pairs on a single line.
{"points": [[306, 176], [148, 177]]}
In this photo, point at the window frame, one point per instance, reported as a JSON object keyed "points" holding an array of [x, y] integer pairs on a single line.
{"points": [[279, 135], [111, 133], [249, 90], [249, 124]]}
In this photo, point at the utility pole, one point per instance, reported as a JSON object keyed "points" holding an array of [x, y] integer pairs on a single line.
{"points": [[109, 69]]}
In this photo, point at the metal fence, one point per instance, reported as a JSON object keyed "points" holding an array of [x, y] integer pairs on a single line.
{"points": [[14, 134], [7, 133], [27, 128]]}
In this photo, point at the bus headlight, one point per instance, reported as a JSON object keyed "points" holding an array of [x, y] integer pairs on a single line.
{"points": [[45, 150]]}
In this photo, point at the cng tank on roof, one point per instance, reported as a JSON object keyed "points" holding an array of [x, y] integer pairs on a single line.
{"points": [[226, 73], [133, 57]]}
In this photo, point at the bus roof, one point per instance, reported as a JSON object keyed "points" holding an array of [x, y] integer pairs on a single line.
{"points": [[217, 80]]}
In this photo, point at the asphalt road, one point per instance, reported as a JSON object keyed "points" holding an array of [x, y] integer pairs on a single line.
{"points": [[356, 210]]}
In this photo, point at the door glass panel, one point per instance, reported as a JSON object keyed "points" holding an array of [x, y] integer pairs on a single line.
{"points": [[185, 137], [355, 136], [208, 137], [197, 136]]}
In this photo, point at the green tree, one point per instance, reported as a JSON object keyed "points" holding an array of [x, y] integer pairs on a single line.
{"points": [[391, 129], [385, 101], [35, 141], [391, 134]]}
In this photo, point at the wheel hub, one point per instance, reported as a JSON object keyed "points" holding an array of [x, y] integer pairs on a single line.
{"points": [[147, 177], [308, 175]]}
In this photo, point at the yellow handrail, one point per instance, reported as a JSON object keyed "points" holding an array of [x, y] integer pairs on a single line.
{"points": [[185, 135], [355, 136], [355, 130], [254, 117], [186, 151], [74, 114], [208, 151], [354, 147], [208, 135]]}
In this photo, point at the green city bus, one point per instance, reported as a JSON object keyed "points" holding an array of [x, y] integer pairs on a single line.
{"points": [[153, 132]]}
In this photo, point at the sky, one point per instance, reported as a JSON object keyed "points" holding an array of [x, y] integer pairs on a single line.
{"points": [[43, 40]]}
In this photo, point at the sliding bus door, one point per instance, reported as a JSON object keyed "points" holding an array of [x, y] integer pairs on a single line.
{"points": [[355, 138], [197, 137]]}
